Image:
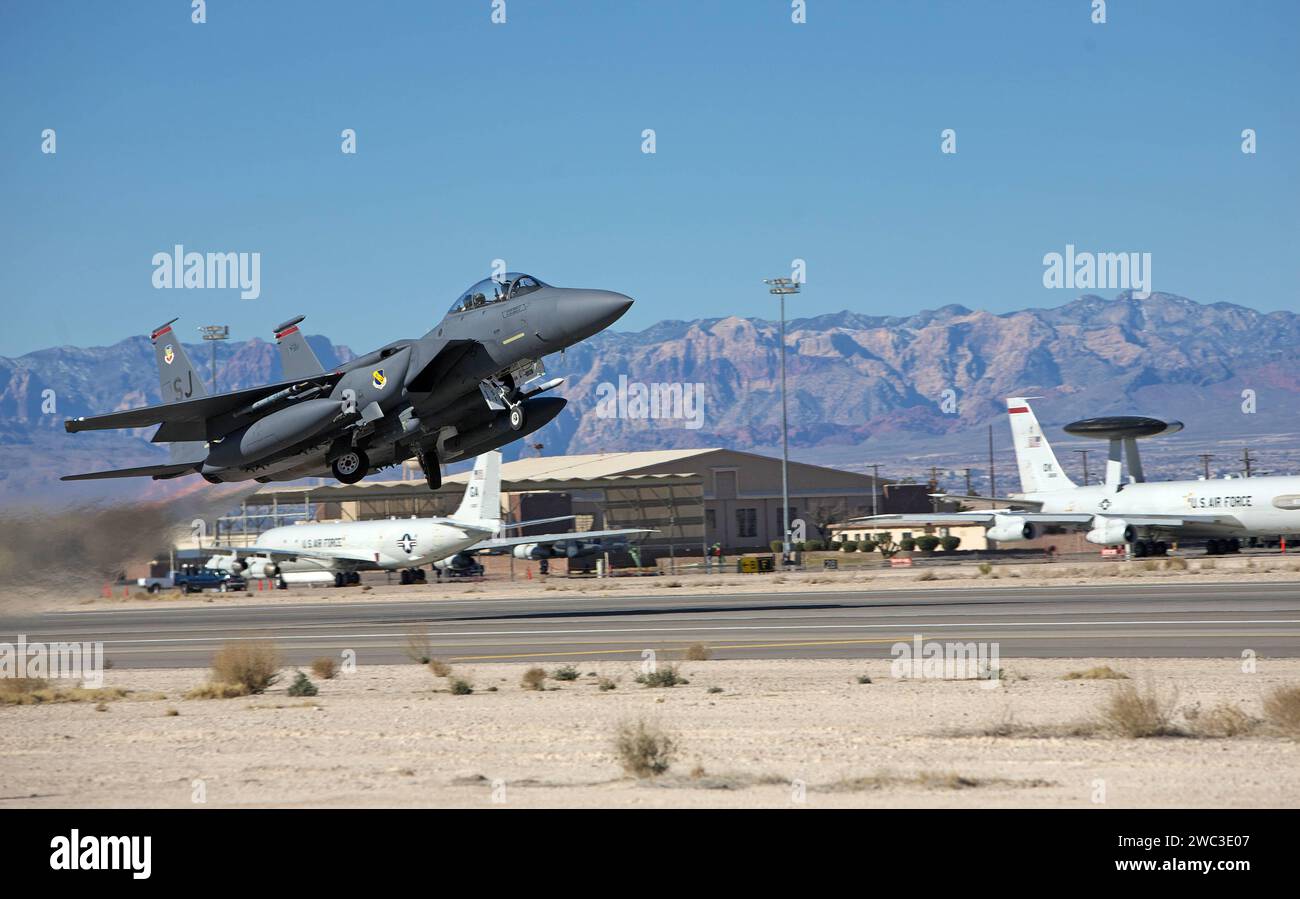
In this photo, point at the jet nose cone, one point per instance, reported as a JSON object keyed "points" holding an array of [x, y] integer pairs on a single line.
{"points": [[582, 313]]}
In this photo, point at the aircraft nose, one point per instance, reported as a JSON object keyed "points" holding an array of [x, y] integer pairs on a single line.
{"points": [[582, 313]]}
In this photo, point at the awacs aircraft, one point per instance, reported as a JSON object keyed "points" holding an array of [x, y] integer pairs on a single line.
{"points": [[468, 386], [342, 549], [1140, 513], [339, 550]]}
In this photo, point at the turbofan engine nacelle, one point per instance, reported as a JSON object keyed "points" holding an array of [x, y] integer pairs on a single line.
{"points": [[454, 563], [1111, 532], [226, 563], [530, 551], [1011, 527], [260, 568]]}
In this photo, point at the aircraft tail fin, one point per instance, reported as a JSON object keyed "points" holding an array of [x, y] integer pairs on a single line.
{"points": [[177, 381], [1039, 470], [296, 356], [482, 502]]}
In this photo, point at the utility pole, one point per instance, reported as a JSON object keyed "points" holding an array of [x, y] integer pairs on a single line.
{"points": [[875, 487], [968, 488], [214, 333], [934, 486], [783, 287], [1245, 459], [993, 478], [1205, 462], [1084, 453]]}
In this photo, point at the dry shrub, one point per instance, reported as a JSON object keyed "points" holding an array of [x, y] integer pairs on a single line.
{"points": [[251, 664], [35, 690], [439, 667], [662, 676], [460, 686], [533, 679], [1176, 563], [325, 668], [1224, 720], [1131, 712], [697, 652], [643, 749], [419, 648], [215, 690], [1101, 672], [1282, 708]]}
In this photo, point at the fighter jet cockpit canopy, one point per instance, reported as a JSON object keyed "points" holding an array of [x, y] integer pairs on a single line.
{"points": [[509, 286]]}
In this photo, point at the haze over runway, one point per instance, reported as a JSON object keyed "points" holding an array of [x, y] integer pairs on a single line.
{"points": [[1133, 621]]}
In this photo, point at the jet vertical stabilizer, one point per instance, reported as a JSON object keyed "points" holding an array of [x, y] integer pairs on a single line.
{"points": [[178, 381], [1039, 470], [296, 356], [482, 502]]}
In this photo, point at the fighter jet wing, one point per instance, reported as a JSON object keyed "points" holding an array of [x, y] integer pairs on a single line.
{"points": [[157, 472], [432, 359], [187, 420], [504, 542]]}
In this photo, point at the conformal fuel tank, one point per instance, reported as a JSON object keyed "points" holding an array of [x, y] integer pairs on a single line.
{"points": [[273, 433]]}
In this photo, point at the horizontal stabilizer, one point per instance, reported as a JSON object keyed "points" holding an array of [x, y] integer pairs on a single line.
{"points": [[157, 472]]}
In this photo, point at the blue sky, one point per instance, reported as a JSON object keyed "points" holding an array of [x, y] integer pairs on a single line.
{"points": [[522, 141]]}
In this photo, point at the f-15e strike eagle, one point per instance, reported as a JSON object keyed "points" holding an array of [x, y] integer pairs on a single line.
{"points": [[468, 386]]}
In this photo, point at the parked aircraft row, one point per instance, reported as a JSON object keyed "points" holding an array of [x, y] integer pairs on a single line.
{"points": [[340, 550], [1145, 514]]}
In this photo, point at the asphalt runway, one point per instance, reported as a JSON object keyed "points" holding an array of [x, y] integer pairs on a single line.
{"points": [[1159, 620]]}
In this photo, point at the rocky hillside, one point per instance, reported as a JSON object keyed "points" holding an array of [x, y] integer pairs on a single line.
{"points": [[853, 379]]}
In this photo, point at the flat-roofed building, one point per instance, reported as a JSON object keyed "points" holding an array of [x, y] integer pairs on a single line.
{"points": [[693, 498]]}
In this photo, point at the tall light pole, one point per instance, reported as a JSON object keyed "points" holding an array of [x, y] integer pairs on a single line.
{"points": [[1084, 453], [782, 287], [215, 333]]}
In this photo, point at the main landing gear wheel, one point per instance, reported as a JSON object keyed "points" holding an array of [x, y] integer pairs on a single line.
{"points": [[350, 467], [516, 417], [1143, 548]]}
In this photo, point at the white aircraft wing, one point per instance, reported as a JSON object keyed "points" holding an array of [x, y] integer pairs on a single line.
{"points": [[981, 517], [1175, 521], [505, 542], [1067, 518], [279, 553]]}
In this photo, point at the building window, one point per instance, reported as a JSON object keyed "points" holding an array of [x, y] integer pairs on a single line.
{"points": [[780, 522], [711, 519], [746, 522]]}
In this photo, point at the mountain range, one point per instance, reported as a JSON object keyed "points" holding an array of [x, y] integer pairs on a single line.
{"points": [[854, 381]]}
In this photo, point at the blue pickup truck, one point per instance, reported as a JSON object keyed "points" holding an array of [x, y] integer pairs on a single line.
{"points": [[193, 579]]}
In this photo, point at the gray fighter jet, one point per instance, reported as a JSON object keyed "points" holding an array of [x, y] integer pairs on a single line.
{"points": [[468, 386]]}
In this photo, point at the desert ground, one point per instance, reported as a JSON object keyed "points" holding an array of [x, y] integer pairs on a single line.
{"points": [[749, 733]]}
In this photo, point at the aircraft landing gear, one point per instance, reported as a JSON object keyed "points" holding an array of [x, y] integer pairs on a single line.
{"points": [[413, 576], [432, 470], [516, 417], [1222, 547], [1143, 548], [350, 467]]}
